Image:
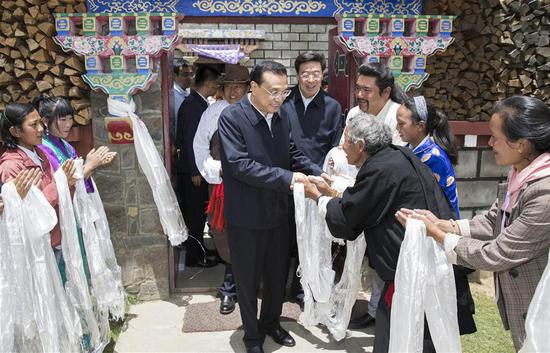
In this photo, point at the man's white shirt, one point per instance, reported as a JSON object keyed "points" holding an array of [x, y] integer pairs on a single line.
{"points": [[388, 114], [208, 167]]}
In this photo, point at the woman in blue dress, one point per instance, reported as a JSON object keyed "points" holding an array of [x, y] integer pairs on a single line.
{"points": [[426, 130]]}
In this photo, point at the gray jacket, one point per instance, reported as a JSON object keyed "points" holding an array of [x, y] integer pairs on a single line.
{"points": [[517, 254]]}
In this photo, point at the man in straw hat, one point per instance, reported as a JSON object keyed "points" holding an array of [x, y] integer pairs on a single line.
{"points": [[206, 146]]}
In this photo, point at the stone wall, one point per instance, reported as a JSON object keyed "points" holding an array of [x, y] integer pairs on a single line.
{"points": [[136, 232], [477, 178], [283, 43]]}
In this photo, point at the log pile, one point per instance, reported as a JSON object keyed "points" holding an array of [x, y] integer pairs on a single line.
{"points": [[501, 49], [30, 61]]}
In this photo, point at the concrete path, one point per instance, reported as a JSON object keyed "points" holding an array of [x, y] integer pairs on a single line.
{"points": [[157, 327]]}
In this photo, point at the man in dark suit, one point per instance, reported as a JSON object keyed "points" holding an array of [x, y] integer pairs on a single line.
{"points": [[316, 124], [315, 118], [191, 187], [258, 159]]}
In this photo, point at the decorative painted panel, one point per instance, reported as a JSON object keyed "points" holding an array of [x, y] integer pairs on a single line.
{"points": [[107, 46], [119, 48], [389, 46], [118, 84], [288, 8], [119, 130], [402, 42]]}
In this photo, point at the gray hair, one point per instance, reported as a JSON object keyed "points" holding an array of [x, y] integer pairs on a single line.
{"points": [[374, 133]]}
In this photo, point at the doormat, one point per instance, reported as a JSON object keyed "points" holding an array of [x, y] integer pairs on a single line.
{"points": [[206, 317]]}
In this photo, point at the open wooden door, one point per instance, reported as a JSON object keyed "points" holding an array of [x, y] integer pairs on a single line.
{"points": [[340, 83]]}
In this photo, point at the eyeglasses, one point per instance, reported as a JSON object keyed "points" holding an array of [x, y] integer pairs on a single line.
{"points": [[277, 94], [311, 75]]}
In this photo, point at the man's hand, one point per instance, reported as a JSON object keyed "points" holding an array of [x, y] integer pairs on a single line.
{"points": [[311, 191], [25, 179], [196, 180], [327, 178], [321, 184], [297, 177]]}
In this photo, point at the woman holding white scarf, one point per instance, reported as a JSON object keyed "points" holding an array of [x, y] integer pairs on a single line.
{"points": [[512, 238]]}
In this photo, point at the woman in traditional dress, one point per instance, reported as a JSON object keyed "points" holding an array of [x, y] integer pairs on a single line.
{"points": [[426, 131], [21, 130], [44, 319], [57, 116]]}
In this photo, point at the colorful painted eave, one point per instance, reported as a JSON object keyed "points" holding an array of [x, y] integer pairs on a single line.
{"points": [[117, 84], [105, 46], [391, 46], [254, 8]]}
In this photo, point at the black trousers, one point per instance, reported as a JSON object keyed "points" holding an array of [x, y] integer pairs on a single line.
{"points": [[193, 203], [259, 256]]}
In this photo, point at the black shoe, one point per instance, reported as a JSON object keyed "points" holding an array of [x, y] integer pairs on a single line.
{"points": [[281, 337], [202, 263], [227, 305], [361, 322], [254, 349]]}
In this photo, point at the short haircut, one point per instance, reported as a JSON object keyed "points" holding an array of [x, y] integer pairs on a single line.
{"points": [[179, 64], [205, 74], [384, 79], [266, 66], [373, 132], [310, 56]]}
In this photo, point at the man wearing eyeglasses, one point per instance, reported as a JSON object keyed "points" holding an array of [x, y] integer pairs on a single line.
{"points": [[316, 125], [260, 164]]}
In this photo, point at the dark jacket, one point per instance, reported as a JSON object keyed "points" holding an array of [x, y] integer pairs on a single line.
{"points": [[317, 129], [189, 116], [389, 180], [257, 166]]}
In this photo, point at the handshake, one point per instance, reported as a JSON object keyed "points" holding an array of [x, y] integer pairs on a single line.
{"points": [[314, 186]]}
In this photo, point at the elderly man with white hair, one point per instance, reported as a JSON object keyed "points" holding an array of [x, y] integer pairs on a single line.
{"points": [[389, 178]]}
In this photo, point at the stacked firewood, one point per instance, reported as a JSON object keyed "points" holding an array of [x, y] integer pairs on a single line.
{"points": [[32, 63], [501, 49]]}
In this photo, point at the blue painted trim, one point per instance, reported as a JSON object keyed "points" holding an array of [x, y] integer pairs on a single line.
{"points": [[252, 8]]}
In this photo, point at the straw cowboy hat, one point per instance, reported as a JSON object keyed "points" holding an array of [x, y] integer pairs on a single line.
{"points": [[235, 74]]}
